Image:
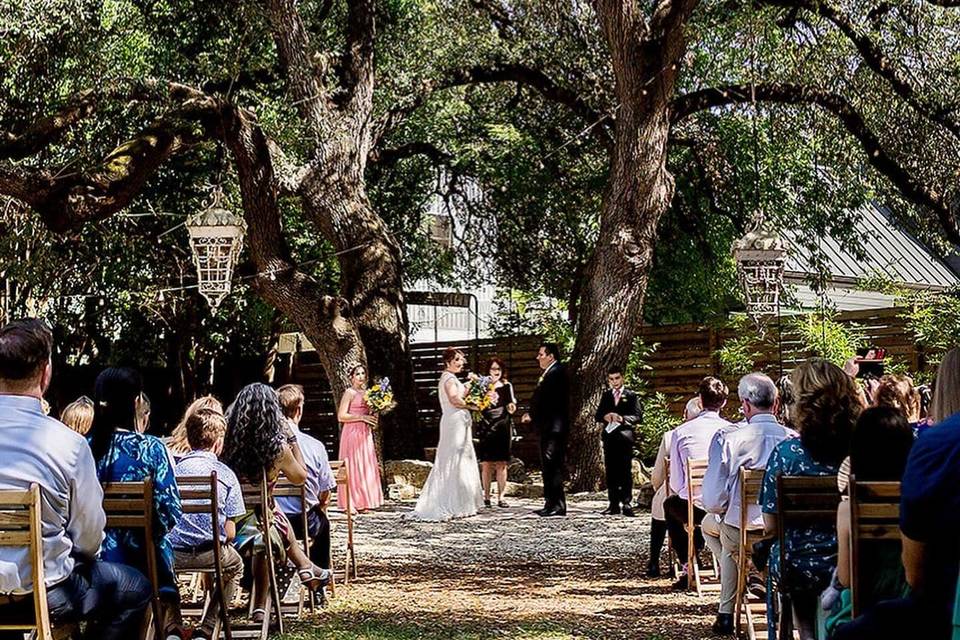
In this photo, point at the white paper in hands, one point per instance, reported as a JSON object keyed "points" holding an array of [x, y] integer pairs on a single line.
{"points": [[611, 427]]}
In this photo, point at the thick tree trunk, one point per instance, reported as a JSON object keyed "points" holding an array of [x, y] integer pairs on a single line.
{"points": [[611, 305]]}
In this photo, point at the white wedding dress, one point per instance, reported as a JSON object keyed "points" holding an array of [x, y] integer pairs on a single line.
{"points": [[453, 488]]}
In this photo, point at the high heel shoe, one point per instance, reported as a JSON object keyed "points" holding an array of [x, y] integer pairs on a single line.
{"points": [[313, 577]]}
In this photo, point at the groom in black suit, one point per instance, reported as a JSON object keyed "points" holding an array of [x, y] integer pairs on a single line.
{"points": [[617, 414], [550, 412]]}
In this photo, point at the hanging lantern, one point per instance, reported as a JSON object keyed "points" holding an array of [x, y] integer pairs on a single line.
{"points": [[216, 240], [760, 256]]}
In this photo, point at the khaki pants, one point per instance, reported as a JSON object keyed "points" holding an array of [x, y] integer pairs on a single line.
{"points": [[723, 540], [232, 571]]}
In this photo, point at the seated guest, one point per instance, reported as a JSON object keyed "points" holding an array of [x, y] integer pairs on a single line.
{"points": [[259, 439], [879, 448], [123, 455], [192, 538], [897, 392], [319, 480], [826, 408], [658, 478], [39, 450], [747, 447], [78, 415], [691, 441], [929, 527], [177, 440]]}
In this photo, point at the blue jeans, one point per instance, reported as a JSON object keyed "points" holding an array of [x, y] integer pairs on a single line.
{"points": [[112, 598]]}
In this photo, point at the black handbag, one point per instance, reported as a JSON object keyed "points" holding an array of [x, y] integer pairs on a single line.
{"points": [[760, 553]]}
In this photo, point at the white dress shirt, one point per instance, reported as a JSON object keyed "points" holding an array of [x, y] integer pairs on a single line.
{"points": [[747, 447], [691, 441], [37, 449]]}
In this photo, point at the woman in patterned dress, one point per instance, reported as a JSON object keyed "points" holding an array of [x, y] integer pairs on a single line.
{"points": [[124, 455], [825, 409]]}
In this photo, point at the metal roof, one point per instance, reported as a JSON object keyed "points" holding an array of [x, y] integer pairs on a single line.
{"points": [[891, 252]]}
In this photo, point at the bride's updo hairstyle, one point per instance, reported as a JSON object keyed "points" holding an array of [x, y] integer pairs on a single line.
{"points": [[449, 354]]}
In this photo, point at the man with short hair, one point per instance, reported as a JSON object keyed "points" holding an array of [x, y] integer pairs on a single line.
{"points": [[550, 413], [617, 413], [193, 536], [320, 481], [746, 447], [691, 441], [36, 449]]}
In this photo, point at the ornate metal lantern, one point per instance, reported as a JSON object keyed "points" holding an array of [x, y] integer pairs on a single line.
{"points": [[760, 256], [216, 240]]}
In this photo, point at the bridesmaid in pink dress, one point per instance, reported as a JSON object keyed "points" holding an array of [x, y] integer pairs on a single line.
{"points": [[356, 446]]}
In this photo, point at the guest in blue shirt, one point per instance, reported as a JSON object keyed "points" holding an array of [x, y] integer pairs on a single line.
{"points": [[825, 410], [320, 481], [123, 455], [193, 537], [929, 526]]}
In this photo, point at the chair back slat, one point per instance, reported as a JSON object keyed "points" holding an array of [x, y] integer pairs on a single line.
{"points": [[20, 526], [751, 483], [666, 477], [874, 516], [804, 501]]}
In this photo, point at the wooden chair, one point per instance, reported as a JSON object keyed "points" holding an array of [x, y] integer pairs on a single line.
{"points": [[198, 494], [257, 497], [20, 527], [675, 566], [285, 488], [129, 505], [342, 476], [874, 516], [755, 609], [700, 580], [801, 501]]}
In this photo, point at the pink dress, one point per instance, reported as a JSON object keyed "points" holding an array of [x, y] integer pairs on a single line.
{"points": [[359, 454]]}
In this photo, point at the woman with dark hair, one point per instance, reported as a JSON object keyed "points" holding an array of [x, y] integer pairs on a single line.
{"points": [[826, 406], [879, 448], [124, 455], [259, 439], [495, 433], [357, 449]]}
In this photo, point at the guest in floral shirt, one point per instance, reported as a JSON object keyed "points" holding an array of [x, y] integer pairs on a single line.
{"points": [[825, 409], [123, 455]]}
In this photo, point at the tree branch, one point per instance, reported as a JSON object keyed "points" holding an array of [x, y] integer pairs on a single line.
{"points": [[851, 119], [358, 55], [46, 130], [391, 156], [545, 86]]}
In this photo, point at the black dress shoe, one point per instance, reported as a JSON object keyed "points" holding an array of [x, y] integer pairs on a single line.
{"points": [[723, 625], [548, 513], [541, 512], [487, 504], [653, 571], [628, 512], [610, 511], [682, 583]]}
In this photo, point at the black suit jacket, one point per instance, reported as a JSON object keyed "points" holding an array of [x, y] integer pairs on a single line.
{"points": [[550, 405], [628, 407]]}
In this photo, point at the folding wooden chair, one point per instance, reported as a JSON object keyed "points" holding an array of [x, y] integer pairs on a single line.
{"points": [[198, 494], [755, 609], [675, 567], [285, 488], [802, 501], [700, 580], [342, 476], [874, 516], [257, 497], [129, 505], [20, 527]]}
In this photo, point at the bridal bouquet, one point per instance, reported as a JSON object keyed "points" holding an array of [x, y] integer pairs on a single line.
{"points": [[379, 397], [480, 394]]}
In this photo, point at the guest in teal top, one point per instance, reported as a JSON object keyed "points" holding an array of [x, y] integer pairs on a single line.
{"points": [[123, 455], [826, 406]]}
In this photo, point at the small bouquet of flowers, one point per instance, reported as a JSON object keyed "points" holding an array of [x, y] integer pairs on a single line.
{"points": [[379, 397], [480, 394]]}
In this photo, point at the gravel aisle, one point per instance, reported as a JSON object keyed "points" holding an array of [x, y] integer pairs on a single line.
{"points": [[506, 572]]}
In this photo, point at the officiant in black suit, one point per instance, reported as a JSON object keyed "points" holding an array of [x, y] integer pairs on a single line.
{"points": [[617, 414], [550, 413]]}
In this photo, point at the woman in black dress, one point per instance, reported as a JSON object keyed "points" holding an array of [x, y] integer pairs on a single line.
{"points": [[495, 433]]}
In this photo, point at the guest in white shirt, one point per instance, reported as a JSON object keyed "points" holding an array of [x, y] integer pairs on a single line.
{"points": [[691, 441], [38, 449], [746, 447]]}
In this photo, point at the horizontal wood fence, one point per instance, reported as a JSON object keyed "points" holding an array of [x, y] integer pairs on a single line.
{"points": [[684, 354]]}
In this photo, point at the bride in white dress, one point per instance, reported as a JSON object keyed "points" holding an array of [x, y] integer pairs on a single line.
{"points": [[453, 488]]}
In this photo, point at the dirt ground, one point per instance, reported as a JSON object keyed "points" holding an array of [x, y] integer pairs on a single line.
{"points": [[507, 573]]}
